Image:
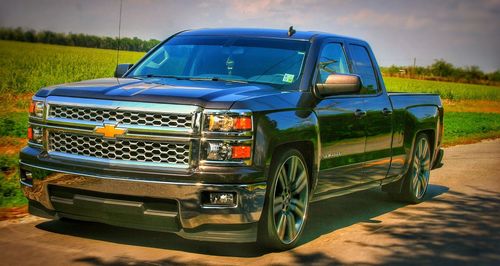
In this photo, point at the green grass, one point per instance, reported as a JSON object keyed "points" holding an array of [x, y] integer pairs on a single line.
{"points": [[447, 90], [460, 127], [26, 67], [14, 124], [10, 190]]}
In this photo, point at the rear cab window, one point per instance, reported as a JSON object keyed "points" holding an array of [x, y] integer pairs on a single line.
{"points": [[363, 66]]}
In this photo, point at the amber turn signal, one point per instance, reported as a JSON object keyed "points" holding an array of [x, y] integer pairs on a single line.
{"points": [[243, 123], [241, 152], [30, 133]]}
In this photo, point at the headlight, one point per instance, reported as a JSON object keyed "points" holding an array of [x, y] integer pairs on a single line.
{"points": [[228, 122], [227, 137], [36, 108], [227, 151]]}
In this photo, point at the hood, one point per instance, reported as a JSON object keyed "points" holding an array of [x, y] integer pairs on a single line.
{"points": [[207, 94]]}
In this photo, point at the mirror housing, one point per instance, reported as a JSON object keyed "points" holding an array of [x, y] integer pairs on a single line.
{"points": [[121, 69], [338, 84]]}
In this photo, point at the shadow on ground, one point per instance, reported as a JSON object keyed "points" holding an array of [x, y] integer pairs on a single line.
{"points": [[460, 229]]}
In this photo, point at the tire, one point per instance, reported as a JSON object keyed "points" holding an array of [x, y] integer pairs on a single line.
{"points": [[287, 202], [416, 180]]}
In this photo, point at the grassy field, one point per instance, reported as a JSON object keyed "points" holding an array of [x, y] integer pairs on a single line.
{"points": [[26, 67], [447, 90], [472, 112]]}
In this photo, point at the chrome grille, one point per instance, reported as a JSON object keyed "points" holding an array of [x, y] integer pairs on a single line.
{"points": [[121, 116], [119, 149]]}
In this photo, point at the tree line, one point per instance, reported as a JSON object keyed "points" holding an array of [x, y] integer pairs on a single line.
{"points": [[77, 39], [444, 71]]}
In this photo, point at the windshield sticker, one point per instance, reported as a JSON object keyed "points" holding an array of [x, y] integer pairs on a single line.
{"points": [[288, 78]]}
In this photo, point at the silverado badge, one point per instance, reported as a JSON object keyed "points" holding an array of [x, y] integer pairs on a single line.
{"points": [[109, 130]]}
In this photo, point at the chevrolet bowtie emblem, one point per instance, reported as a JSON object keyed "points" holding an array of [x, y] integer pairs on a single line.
{"points": [[109, 131]]}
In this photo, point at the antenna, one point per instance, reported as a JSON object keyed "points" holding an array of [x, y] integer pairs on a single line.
{"points": [[119, 32], [291, 31]]}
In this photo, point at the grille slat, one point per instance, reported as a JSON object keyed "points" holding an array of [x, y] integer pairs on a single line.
{"points": [[121, 116], [119, 149]]}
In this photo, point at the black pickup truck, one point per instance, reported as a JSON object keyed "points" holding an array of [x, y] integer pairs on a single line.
{"points": [[228, 135]]}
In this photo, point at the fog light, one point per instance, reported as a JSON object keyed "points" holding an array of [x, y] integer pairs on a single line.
{"points": [[219, 199]]}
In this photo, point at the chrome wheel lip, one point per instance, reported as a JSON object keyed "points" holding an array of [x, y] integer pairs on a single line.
{"points": [[290, 199], [421, 168]]}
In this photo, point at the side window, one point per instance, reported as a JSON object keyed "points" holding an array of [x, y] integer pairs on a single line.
{"points": [[364, 68], [332, 60]]}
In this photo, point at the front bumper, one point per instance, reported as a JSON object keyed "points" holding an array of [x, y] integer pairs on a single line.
{"points": [[145, 204]]}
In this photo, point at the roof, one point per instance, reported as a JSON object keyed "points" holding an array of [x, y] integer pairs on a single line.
{"points": [[259, 32]]}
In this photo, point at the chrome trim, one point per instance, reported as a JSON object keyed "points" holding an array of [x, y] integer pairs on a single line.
{"points": [[138, 180], [210, 134], [124, 105], [111, 162], [129, 135], [35, 145], [133, 128]]}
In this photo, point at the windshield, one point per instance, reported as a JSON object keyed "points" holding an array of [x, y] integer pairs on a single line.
{"points": [[273, 61]]}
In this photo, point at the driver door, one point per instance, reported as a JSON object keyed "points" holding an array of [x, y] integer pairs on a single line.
{"points": [[342, 132]]}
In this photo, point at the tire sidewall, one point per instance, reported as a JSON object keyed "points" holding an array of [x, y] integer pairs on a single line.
{"points": [[267, 234], [409, 192]]}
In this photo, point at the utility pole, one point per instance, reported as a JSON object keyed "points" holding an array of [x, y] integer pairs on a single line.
{"points": [[414, 65]]}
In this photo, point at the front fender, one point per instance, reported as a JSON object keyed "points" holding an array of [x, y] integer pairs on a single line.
{"points": [[273, 130]]}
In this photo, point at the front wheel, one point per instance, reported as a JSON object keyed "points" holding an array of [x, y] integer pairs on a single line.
{"points": [[287, 201]]}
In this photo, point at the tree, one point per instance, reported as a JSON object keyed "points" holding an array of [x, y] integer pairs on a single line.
{"points": [[441, 68]]}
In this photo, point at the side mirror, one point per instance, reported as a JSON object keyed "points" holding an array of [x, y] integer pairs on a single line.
{"points": [[337, 84], [121, 69]]}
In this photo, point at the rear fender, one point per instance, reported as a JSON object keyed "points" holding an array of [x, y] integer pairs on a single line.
{"points": [[418, 119]]}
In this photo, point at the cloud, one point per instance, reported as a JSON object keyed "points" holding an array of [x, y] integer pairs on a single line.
{"points": [[241, 9], [372, 18]]}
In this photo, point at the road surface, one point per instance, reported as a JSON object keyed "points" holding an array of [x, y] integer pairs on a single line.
{"points": [[459, 223]]}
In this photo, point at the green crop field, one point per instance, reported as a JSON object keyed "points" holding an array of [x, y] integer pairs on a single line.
{"points": [[26, 67], [447, 90]]}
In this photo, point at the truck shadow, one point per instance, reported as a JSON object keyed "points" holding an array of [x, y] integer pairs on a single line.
{"points": [[360, 207]]}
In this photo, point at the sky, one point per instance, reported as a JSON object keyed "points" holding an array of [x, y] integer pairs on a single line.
{"points": [[463, 32]]}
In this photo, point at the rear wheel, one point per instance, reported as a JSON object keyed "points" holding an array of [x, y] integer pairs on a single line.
{"points": [[287, 202], [416, 180]]}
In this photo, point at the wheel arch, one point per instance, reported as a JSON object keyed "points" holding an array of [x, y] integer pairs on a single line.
{"points": [[278, 131]]}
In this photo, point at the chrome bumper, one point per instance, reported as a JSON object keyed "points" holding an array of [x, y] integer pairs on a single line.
{"points": [[193, 218]]}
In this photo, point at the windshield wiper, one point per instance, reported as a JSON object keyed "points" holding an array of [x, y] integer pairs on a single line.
{"points": [[218, 79], [189, 78], [158, 76]]}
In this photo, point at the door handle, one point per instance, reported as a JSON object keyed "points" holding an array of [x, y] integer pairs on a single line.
{"points": [[387, 111], [360, 113]]}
